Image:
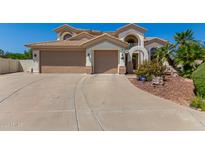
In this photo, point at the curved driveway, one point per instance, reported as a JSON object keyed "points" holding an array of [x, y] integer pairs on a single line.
{"points": [[87, 102]]}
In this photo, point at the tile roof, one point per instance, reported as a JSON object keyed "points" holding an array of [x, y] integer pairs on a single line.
{"points": [[76, 43], [82, 35], [149, 40], [60, 43], [108, 37], [129, 26], [92, 37], [97, 32]]}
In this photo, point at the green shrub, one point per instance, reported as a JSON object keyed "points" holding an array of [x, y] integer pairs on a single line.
{"points": [[144, 69], [198, 77], [150, 69], [157, 68], [149, 78], [198, 103]]}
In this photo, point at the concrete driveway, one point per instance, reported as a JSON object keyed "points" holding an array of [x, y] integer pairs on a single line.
{"points": [[87, 102]]}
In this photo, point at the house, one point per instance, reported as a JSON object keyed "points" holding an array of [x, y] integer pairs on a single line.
{"points": [[90, 51]]}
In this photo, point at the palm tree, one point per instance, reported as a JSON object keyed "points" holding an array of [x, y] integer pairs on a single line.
{"points": [[187, 55], [165, 53], [182, 37]]}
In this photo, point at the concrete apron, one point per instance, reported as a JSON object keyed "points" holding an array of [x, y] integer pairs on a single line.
{"points": [[87, 102], [113, 103]]}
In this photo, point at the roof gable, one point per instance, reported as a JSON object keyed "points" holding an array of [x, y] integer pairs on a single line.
{"points": [[78, 43], [155, 39], [66, 27], [105, 37], [82, 36], [56, 44], [131, 26]]}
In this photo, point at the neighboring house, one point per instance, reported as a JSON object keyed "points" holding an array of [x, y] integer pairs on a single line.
{"points": [[89, 51]]}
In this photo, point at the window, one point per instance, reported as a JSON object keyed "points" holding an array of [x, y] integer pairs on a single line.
{"points": [[131, 40], [152, 52], [66, 36]]}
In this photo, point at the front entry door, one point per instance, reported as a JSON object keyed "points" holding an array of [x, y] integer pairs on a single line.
{"points": [[135, 58]]}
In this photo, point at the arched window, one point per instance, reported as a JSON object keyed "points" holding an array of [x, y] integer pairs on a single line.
{"points": [[66, 36], [152, 53], [131, 40]]}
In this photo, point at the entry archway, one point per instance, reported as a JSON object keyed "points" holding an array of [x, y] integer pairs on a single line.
{"points": [[142, 56]]}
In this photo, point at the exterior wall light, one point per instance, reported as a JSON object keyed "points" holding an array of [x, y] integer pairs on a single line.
{"points": [[122, 56], [88, 54]]}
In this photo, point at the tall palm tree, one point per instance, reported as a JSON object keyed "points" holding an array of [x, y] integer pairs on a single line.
{"points": [[182, 37]]}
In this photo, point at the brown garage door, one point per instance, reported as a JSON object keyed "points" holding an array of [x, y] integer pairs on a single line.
{"points": [[63, 61], [106, 61]]}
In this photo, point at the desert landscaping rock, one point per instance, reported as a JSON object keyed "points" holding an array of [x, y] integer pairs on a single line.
{"points": [[177, 89]]}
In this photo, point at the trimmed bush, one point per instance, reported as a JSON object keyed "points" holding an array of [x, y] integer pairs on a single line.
{"points": [[198, 77]]}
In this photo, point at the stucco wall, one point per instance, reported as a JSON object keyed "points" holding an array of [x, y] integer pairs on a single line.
{"points": [[26, 65], [12, 65], [105, 45], [9, 66]]}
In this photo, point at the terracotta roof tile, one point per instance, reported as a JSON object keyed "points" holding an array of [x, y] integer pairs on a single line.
{"points": [[149, 40], [82, 35], [105, 36], [61, 43], [129, 26], [76, 43]]}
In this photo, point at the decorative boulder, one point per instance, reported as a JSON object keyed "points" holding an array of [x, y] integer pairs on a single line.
{"points": [[157, 81]]}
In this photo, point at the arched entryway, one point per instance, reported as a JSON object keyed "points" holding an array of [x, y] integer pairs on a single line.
{"points": [[134, 57], [133, 60]]}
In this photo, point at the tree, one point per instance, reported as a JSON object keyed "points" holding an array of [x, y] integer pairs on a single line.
{"points": [[183, 37], [165, 53], [187, 55], [1, 52], [26, 55], [188, 51]]}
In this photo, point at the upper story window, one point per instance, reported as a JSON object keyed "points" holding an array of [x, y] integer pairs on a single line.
{"points": [[131, 40], [152, 53], [66, 36]]}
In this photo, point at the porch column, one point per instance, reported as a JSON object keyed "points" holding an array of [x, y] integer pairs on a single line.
{"points": [[89, 58], [129, 63], [121, 59], [36, 64]]}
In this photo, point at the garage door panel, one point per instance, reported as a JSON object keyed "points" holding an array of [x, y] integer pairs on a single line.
{"points": [[63, 58], [106, 61], [70, 61], [63, 69]]}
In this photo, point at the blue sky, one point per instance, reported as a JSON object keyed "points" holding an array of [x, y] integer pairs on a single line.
{"points": [[13, 37]]}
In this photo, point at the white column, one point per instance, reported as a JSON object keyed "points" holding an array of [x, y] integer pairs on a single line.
{"points": [[89, 57], [36, 58], [121, 57]]}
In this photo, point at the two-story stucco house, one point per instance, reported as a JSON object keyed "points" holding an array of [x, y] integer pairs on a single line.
{"points": [[90, 51]]}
